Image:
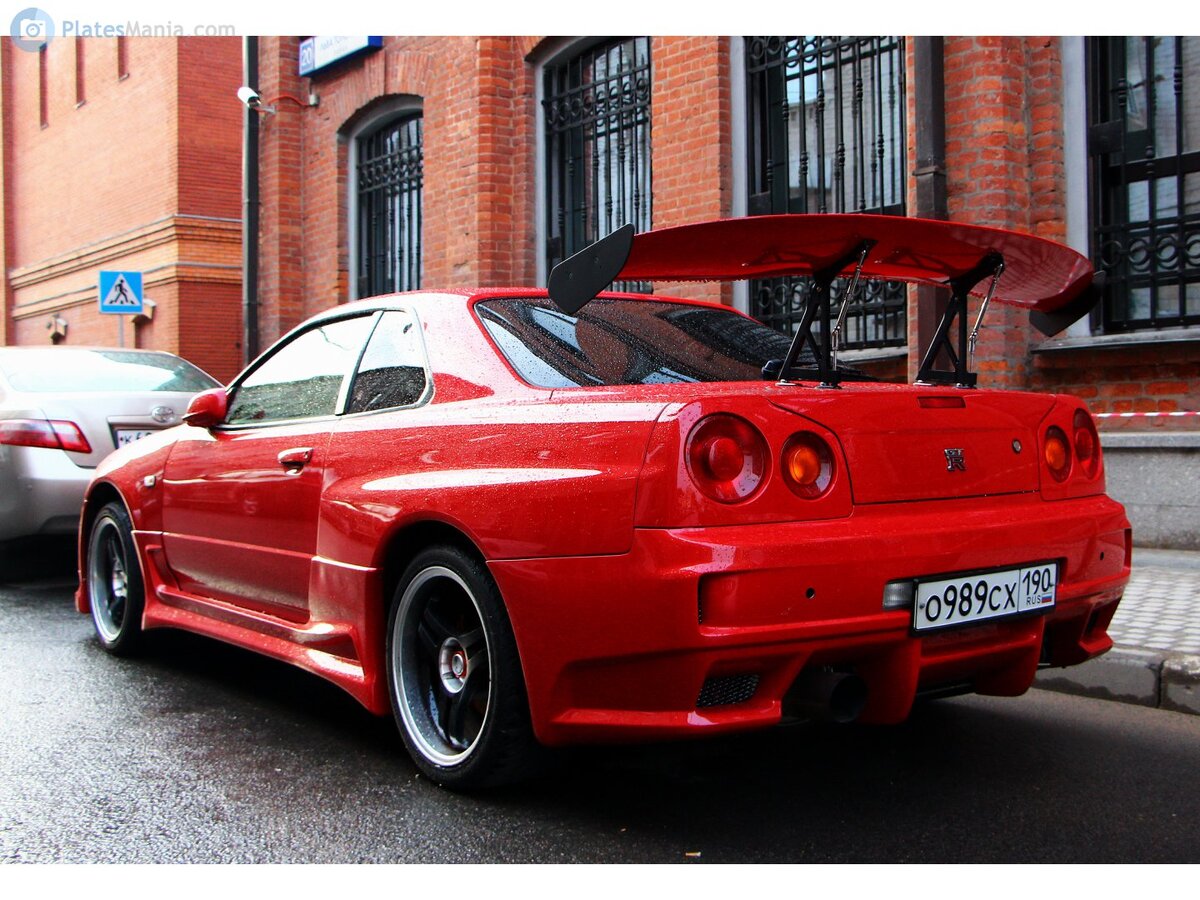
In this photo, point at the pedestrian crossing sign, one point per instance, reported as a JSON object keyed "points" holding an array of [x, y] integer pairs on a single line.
{"points": [[121, 292]]}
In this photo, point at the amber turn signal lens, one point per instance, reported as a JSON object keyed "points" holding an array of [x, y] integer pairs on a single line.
{"points": [[1057, 453], [803, 465], [807, 464]]}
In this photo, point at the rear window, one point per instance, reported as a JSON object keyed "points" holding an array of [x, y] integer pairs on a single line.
{"points": [[612, 341], [62, 371]]}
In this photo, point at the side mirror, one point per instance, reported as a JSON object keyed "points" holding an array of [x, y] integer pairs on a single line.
{"points": [[207, 408]]}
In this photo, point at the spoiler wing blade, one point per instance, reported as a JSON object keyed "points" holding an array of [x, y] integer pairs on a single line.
{"points": [[579, 278], [1039, 274]]}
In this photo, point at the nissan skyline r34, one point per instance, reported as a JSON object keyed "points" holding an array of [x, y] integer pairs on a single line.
{"points": [[517, 518]]}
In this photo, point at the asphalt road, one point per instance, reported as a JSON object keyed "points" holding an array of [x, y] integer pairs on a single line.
{"points": [[199, 752]]}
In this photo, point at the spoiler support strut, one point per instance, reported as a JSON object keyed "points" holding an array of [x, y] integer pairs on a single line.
{"points": [[960, 288], [819, 303]]}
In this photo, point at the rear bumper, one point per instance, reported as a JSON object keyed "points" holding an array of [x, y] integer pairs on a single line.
{"points": [[707, 629], [41, 492]]}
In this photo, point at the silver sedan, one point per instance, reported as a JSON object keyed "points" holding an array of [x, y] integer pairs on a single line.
{"points": [[62, 410]]}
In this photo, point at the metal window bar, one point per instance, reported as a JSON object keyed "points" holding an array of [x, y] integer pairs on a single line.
{"points": [[825, 117], [1144, 145], [390, 180], [597, 118]]}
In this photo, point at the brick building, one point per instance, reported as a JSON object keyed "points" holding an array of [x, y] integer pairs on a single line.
{"points": [[528, 147], [123, 153], [473, 161]]}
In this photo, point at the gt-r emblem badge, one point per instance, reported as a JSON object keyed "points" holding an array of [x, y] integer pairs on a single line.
{"points": [[955, 461]]}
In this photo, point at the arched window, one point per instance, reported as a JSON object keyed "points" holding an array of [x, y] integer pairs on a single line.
{"points": [[388, 164]]}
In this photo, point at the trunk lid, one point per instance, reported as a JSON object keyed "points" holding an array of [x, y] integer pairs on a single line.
{"points": [[918, 443]]}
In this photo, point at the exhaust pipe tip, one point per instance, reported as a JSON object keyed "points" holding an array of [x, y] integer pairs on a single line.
{"points": [[826, 695]]}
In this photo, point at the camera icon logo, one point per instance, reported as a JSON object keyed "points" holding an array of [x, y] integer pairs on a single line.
{"points": [[31, 29]]}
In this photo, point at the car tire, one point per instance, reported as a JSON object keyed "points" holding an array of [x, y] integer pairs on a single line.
{"points": [[454, 675], [116, 592]]}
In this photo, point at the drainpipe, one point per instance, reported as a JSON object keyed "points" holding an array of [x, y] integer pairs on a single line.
{"points": [[249, 207], [930, 88]]}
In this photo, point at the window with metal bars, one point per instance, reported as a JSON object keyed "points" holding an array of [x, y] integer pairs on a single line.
{"points": [[389, 161], [596, 109], [1144, 147], [825, 122]]}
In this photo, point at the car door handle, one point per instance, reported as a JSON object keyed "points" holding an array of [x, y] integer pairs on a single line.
{"points": [[295, 459]]}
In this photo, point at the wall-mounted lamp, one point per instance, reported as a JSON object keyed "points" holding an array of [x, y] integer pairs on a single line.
{"points": [[147, 313], [253, 100], [57, 327]]}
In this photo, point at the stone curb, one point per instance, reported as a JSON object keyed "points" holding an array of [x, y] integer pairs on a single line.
{"points": [[1129, 675]]}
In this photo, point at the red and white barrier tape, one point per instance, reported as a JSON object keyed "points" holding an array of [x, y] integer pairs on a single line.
{"points": [[1130, 415]]}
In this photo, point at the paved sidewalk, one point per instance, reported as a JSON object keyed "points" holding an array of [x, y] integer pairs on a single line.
{"points": [[1156, 657]]}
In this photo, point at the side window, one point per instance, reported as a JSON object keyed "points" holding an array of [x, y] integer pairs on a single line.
{"points": [[302, 379], [392, 370]]}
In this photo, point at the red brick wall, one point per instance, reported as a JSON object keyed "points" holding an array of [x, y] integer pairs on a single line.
{"points": [[480, 120], [144, 174], [690, 110], [1004, 166], [472, 155], [1152, 378], [99, 169], [1004, 160]]}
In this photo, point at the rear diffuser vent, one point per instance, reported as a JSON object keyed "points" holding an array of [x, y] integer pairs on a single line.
{"points": [[727, 690]]}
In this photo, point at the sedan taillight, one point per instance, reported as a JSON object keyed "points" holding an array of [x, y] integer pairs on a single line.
{"points": [[53, 435], [727, 458]]}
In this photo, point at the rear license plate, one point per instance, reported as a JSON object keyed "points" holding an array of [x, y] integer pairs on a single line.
{"points": [[128, 436], [976, 597]]}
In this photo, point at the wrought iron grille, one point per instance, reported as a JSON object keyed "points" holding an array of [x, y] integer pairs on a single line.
{"points": [[389, 208], [825, 119], [1144, 142], [597, 114]]}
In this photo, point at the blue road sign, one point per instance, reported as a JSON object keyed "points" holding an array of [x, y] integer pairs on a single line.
{"points": [[121, 292]]}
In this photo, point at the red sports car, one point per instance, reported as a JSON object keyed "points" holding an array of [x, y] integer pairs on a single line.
{"points": [[518, 518]]}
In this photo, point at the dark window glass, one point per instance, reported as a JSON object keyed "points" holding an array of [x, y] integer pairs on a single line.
{"points": [[303, 378], [825, 133], [1144, 142], [60, 371], [597, 118], [390, 177], [392, 370], [612, 342]]}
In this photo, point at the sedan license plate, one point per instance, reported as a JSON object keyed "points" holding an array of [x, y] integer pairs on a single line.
{"points": [[976, 597], [128, 436]]}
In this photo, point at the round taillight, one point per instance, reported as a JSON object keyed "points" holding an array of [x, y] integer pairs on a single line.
{"points": [[726, 458], [1057, 453], [807, 465], [1087, 443]]}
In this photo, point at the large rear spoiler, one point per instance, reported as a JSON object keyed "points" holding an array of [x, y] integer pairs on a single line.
{"points": [[1055, 283]]}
